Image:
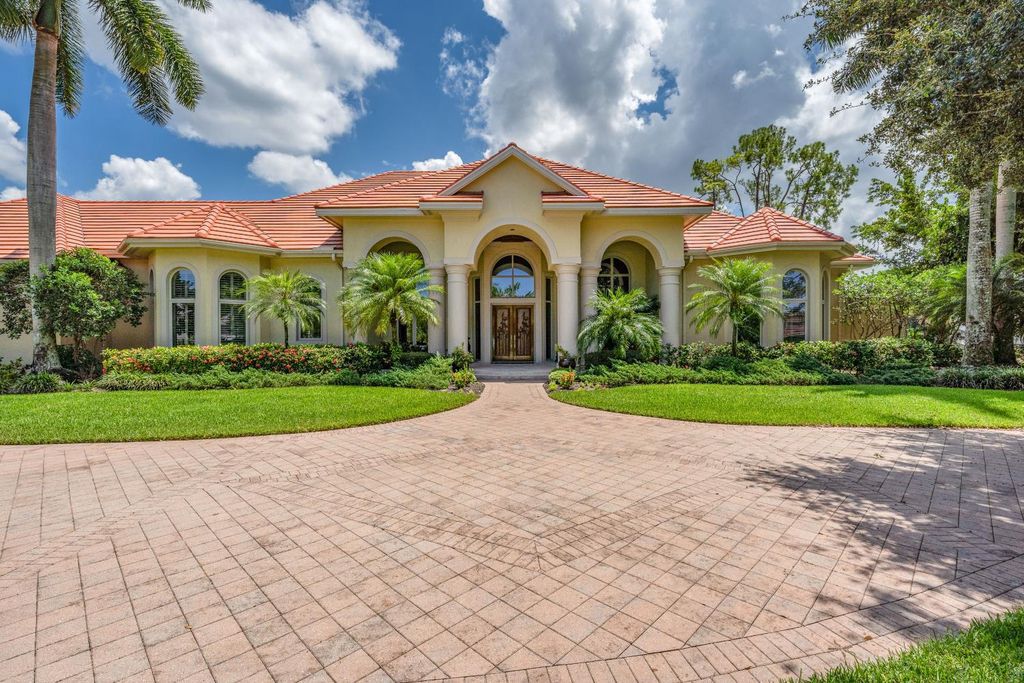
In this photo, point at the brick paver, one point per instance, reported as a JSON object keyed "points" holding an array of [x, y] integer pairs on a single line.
{"points": [[515, 539]]}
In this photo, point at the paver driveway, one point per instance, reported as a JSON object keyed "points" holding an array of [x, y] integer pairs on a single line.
{"points": [[516, 537]]}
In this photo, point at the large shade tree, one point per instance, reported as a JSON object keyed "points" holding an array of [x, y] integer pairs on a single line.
{"points": [[388, 290], [735, 291], [946, 78], [768, 168], [153, 63]]}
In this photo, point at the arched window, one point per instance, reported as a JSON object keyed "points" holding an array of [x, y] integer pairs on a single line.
{"points": [[313, 331], [232, 313], [794, 299], [825, 302], [183, 308], [614, 274], [512, 278]]}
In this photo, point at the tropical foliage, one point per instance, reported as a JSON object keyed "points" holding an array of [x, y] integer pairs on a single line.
{"points": [[287, 296], [360, 358], [620, 325], [768, 168], [388, 290], [739, 291], [154, 65]]}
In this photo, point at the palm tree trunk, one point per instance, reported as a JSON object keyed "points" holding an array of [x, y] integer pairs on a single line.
{"points": [[1006, 214], [978, 333], [41, 183], [285, 323], [735, 337]]}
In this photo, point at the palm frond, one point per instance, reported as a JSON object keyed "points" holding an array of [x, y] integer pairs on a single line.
{"points": [[70, 59], [387, 290], [619, 325], [286, 296], [15, 21], [737, 291]]}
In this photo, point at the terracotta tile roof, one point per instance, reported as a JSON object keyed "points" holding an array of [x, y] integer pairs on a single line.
{"points": [[217, 222], [289, 222], [615, 192], [769, 226], [708, 230]]}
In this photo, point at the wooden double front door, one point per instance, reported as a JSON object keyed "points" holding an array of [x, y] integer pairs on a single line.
{"points": [[512, 331]]}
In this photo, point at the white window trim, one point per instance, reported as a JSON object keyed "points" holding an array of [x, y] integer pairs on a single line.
{"points": [[299, 339], [613, 276], [248, 327], [182, 300], [805, 300]]}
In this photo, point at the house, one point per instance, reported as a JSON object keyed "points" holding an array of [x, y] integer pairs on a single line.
{"points": [[520, 244]]}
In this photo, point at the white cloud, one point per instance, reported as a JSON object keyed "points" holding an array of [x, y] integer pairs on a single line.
{"points": [[9, 193], [133, 178], [447, 161], [463, 65], [12, 150], [274, 81], [297, 172], [642, 88]]}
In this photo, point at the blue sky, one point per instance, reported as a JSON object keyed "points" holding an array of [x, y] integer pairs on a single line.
{"points": [[301, 95]]}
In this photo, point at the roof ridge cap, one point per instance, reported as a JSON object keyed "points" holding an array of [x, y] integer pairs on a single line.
{"points": [[730, 231], [806, 224], [347, 182], [211, 216], [391, 184]]}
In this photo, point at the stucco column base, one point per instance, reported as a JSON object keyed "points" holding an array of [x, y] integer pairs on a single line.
{"points": [[457, 310], [671, 313], [435, 331], [588, 288], [568, 304]]}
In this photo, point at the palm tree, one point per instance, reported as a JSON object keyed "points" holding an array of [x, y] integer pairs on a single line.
{"points": [[978, 321], [287, 296], [619, 325], [388, 290], [945, 302], [1008, 306], [153, 63], [740, 291]]}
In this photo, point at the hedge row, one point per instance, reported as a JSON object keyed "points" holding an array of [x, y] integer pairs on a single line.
{"points": [[857, 356], [359, 358]]}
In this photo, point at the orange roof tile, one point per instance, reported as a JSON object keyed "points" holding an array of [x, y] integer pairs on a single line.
{"points": [[768, 226], [216, 222], [708, 230]]}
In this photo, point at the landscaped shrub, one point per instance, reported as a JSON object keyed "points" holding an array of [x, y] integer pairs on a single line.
{"points": [[37, 383], [995, 377], [413, 359], [461, 359], [216, 378], [901, 373], [462, 379], [360, 358], [436, 373], [87, 365], [10, 372], [561, 378], [765, 371]]}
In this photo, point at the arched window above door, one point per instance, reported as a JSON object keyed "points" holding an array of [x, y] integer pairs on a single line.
{"points": [[614, 274], [512, 278]]}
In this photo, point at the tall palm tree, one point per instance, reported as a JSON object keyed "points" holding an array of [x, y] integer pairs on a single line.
{"points": [[287, 296], [978, 321], [388, 290], [739, 291], [620, 325], [153, 63]]}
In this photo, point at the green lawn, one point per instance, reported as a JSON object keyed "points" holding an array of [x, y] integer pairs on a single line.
{"points": [[862, 405], [151, 415], [988, 651]]}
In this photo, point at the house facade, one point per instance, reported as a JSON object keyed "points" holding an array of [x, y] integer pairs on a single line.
{"points": [[519, 243]]}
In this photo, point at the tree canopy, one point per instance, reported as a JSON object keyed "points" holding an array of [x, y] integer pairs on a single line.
{"points": [[768, 168]]}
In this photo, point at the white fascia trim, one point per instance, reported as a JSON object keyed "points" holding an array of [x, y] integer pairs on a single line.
{"points": [[310, 253], [659, 211], [368, 212], [502, 156], [147, 243], [452, 206], [782, 246], [572, 206]]}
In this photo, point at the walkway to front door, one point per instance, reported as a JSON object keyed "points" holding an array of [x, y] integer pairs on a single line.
{"points": [[517, 537], [512, 333]]}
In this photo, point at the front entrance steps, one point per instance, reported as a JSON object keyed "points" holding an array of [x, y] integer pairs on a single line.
{"points": [[513, 372]]}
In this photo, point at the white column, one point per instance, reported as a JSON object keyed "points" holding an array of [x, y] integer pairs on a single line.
{"points": [[588, 287], [457, 310], [435, 331], [670, 294], [568, 304]]}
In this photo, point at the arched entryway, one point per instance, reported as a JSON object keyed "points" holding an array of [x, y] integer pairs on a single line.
{"points": [[511, 301]]}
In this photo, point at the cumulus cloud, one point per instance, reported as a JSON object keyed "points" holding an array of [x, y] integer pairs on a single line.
{"points": [[297, 172], [132, 178], [12, 149], [447, 161], [276, 81], [463, 65], [641, 88], [12, 192]]}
